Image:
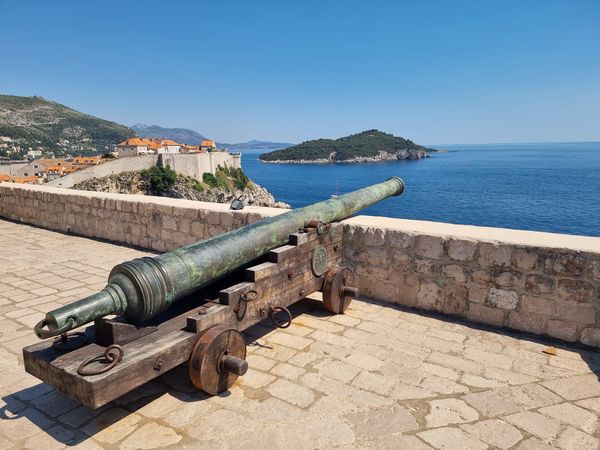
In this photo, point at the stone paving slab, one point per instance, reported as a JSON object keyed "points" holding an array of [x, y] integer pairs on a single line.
{"points": [[377, 377]]}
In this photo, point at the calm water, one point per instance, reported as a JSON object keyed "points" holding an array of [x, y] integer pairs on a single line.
{"points": [[545, 187]]}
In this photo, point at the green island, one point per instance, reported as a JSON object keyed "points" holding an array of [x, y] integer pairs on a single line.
{"points": [[367, 146]]}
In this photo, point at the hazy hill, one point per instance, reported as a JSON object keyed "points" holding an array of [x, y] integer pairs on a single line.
{"points": [[370, 145], [181, 135], [187, 136], [256, 145], [39, 123]]}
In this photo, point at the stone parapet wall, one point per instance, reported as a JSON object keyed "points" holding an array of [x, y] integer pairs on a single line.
{"points": [[536, 282], [541, 283], [156, 223]]}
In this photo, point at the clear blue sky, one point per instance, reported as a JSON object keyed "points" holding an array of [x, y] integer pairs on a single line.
{"points": [[433, 71]]}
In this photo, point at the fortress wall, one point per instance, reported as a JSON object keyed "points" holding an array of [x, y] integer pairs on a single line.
{"points": [[105, 169], [196, 164], [190, 164], [542, 283], [155, 223]]}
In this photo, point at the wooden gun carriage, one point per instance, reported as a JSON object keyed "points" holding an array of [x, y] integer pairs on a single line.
{"points": [[152, 334]]}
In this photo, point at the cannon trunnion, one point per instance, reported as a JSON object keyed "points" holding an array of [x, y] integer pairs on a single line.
{"points": [[204, 330]]}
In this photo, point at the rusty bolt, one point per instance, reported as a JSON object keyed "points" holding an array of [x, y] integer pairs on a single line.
{"points": [[302, 293], [158, 364]]}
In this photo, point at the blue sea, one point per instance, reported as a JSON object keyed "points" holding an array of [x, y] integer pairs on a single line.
{"points": [[551, 187]]}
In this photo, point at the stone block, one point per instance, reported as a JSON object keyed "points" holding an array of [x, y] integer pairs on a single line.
{"points": [[477, 294], [492, 255], [449, 411], [570, 264], [454, 298], [480, 276], [455, 272], [576, 291], [397, 239], [582, 314], [495, 432], [425, 266], [374, 237], [452, 438], [407, 288], [560, 329], [539, 284], [501, 298], [398, 260], [538, 305], [461, 250], [485, 314], [529, 322], [429, 246], [429, 296], [509, 279], [526, 259], [592, 269], [590, 336]]}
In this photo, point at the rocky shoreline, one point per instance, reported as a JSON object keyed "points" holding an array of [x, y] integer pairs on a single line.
{"points": [[382, 156]]}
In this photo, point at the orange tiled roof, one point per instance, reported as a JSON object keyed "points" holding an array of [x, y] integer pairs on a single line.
{"points": [[54, 168], [86, 160], [30, 179], [143, 142], [168, 142], [208, 143], [70, 169], [5, 177], [134, 141]]}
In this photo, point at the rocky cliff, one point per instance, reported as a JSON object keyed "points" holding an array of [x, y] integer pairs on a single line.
{"points": [[183, 187]]}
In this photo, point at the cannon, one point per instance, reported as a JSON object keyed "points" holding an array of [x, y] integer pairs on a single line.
{"points": [[191, 304]]}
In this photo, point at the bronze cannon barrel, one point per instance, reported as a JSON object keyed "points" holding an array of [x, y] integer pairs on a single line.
{"points": [[142, 288]]}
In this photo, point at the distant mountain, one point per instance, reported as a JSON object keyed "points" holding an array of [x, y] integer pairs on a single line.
{"points": [[370, 145], [181, 135], [186, 136], [256, 145], [43, 124]]}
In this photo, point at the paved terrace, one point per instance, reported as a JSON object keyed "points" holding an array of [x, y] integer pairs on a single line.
{"points": [[376, 377]]}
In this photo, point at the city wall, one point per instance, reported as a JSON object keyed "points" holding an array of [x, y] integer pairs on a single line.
{"points": [[542, 283], [192, 164]]}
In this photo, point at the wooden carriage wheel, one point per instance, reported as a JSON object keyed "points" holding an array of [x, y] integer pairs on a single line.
{"points": [[218, 359]]}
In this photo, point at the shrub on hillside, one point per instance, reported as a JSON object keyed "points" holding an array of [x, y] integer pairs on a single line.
{"points": [[161, 179], [212, 181]]}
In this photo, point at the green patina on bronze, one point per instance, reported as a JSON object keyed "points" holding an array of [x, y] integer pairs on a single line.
{"points": [[142, 288]]}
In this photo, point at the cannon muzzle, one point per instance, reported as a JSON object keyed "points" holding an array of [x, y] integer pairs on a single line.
{"points": [[143, 288]]}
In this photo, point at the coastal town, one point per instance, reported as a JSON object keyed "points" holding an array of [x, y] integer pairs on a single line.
{"points": [[36, 169]]}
